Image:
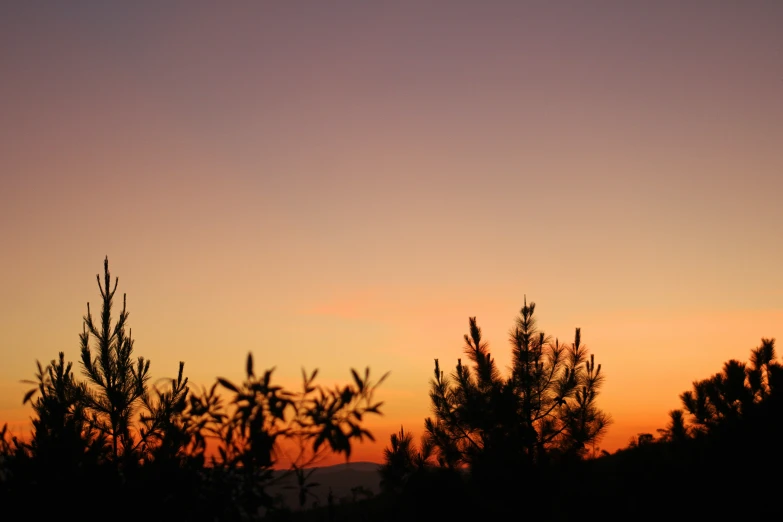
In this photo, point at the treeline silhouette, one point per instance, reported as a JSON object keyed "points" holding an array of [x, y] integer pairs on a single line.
{"points": [[520, 444], [525, 446], [112, 446]]}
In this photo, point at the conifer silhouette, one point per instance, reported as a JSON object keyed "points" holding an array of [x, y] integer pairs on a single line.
{"points": [[401, 460], [738, 393], [62, 434], [118, 383], [546, 406]]}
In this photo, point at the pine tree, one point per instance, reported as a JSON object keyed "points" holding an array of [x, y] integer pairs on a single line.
{"points": [[62, 435], [738, 393], [401, 459], [118, 382], [546, 407]]}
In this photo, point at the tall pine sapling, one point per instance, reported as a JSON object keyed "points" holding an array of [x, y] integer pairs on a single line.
{"points": [[119, 387]]}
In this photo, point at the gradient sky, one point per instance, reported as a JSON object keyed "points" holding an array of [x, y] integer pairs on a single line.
{"points": [[342, 184]]}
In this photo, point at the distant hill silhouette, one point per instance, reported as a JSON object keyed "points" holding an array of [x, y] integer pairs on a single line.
{"points": [[340, 478]]}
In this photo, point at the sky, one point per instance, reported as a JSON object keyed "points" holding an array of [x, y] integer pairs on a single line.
{"points": [[343, 184]]}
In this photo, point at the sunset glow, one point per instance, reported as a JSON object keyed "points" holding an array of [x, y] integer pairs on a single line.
{"points": [[342, 185]]}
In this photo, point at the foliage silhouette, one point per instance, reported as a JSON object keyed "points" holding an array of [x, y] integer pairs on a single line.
{"points": [[118, 385], [493, 436], [134, 445], [729, 468], [721, 451], [402, 460], [250, 432], [546, 407], [110, 444], [62, 433], [99, 416], [738, 393]]}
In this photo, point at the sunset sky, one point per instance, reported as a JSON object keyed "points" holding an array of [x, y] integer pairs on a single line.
{"points": [[343, 184]]}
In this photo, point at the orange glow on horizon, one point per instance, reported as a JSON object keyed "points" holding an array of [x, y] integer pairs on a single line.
{"points": [[339, 188]]}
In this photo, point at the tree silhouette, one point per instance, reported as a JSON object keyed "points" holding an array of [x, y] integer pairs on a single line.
{"points": [[165, 433], [641, 439], [738, 393], [252, 431], [721, 448], [13, 452], [676, 430], [63, 437], [546, 407], [131, 444], [118, 382], [402, 460]]}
